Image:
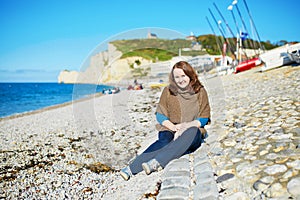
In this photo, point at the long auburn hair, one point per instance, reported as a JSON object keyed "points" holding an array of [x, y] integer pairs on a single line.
{"points": [[194, 85]]}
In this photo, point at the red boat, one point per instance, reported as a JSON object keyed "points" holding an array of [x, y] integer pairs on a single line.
{"points": [[247, 64]]}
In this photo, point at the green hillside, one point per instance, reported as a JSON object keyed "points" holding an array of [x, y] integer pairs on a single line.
{"points": [[163, 49], [213, 44], [155, 49]]}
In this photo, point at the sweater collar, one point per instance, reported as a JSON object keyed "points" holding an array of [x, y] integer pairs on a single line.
{"points": [[186, 93]]}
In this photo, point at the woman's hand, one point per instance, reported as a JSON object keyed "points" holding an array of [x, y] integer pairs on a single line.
{"points": [[180, 129], [184, 126], [177, 127], [173, 127], [168, 124], [181, 126], [195, 123]]}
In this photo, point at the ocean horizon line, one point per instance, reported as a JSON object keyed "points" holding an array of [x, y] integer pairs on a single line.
{"points": [[57, 83], [18, 98]]}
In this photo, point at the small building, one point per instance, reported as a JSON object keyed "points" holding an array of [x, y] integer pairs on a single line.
{"points": [[151, 35], [196, 46], [191, 37]]}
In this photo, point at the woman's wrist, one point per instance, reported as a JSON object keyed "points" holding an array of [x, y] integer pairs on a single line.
{"points": [[195, 123], [168, 124]]}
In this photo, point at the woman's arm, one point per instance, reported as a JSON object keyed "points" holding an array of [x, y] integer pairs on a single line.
{"points": [[170, 125], [203, 121], [204, 109], [160, 117], [164, 120]]}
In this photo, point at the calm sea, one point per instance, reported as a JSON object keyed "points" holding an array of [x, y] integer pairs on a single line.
{"points": [[18, 98]]}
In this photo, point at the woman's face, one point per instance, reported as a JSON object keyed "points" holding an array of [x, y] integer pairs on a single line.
{"points": [[181, 79]]}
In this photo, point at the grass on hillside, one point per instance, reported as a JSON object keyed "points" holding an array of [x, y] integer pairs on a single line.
{"points": [[151, 54], [163, 49], [154, 49], [169, 45]]}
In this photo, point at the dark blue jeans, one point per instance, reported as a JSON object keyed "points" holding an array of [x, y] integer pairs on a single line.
{"points": [[164, 138], [166, 149]]}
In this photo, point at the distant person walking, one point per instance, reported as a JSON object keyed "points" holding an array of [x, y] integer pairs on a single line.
{"points": [[182, 112]]}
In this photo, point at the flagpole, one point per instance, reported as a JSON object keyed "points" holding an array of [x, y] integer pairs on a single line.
{"points": [[232, 14], [217, 24], [228, 27], [226, 39], [253, 25], [234, 3], [224, 20], [217, 39]]}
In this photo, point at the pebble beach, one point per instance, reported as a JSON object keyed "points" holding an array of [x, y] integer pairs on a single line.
{"points": [[75, 151]]}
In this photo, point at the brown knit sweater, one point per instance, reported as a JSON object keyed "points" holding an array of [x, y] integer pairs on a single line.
{"points": [[183, 107]]}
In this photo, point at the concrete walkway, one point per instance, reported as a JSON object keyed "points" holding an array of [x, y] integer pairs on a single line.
{"points": [[189, 177]]}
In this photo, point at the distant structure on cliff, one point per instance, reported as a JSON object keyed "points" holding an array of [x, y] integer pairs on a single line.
{"points": [[195, 45], [191, 37], [151, 35]]}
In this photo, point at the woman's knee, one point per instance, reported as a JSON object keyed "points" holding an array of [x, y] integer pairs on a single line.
{"points": [[192, 134], [193, 130], [165, 136], [196, 142]]}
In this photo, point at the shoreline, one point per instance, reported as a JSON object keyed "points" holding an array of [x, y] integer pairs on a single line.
{"points": [[27, 113], [50, 107]]}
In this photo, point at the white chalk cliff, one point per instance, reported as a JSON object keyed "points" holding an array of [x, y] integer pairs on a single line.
{"points": [[104, 67]]}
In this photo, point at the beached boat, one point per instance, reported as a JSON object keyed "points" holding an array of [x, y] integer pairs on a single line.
{"points": [[294, 52], [224, 65], [247, 64], [225, 69], [154, 85], [243, 40], [280, 56], [111, 91]]}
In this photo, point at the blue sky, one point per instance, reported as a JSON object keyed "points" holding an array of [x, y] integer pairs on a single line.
{"points": [[39, 38]]}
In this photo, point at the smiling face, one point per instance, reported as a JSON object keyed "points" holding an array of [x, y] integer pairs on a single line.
{"points": [[181, 79]]}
